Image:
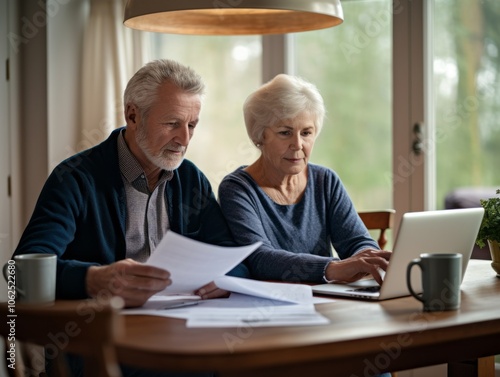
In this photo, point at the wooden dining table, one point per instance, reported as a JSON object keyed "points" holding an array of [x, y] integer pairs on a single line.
{"points": [[362, 339]]}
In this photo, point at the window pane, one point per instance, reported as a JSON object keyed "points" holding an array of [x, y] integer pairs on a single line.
{"points": [[351, 65], [231, 69], [466, 88]]}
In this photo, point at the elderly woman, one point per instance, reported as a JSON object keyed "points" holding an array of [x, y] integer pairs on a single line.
{"points": [[297, 209]]}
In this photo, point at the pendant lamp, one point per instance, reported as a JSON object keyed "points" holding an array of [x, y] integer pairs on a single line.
{"points": [[232, 17]]}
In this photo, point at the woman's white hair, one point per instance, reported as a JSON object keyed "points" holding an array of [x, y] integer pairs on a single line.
{"points": [[284, 97], [142, 89]]}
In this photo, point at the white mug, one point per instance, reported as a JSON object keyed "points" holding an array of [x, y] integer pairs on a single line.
{"points": [[34, 277]]}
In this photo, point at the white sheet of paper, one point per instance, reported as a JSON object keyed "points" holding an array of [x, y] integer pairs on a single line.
{"points": [[236, 311], [288, 315], [297, 293], [156, 305], [192, 264]]}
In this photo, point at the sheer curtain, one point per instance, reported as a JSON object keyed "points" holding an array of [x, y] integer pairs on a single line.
{"points": [[112, 53]]}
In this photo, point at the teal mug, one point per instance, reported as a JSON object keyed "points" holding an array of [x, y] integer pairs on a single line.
{"points": [[441, 278]]}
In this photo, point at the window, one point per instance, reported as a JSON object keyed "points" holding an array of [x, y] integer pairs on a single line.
{"points": [[466, 89], [231, 69], [352, 67]]}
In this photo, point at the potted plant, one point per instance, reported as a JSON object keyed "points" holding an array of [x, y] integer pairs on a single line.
{"points": [[489, 231]]}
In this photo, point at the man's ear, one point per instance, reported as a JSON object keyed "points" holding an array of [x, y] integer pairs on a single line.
{"points": [[131, 116]]}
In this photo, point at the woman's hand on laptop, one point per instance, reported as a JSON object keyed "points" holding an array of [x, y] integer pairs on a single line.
{"points": [[363, 263]]}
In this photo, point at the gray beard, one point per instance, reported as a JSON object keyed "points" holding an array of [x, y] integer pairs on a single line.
{"points": [[160, 160]]}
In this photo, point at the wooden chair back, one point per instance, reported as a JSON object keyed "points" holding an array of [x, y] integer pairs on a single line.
{"points": [[82, 327], [379, 220]]}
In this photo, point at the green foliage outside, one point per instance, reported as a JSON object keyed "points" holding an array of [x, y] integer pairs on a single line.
{"points": [[467, 91]]}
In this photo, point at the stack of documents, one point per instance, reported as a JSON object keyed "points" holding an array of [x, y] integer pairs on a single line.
{"points": [[193, 264]]}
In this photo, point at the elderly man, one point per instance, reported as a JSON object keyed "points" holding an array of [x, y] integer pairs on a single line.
{"points": [[104, 210]]}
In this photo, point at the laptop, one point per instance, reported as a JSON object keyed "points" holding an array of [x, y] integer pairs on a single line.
{"points": [[443, 231]]}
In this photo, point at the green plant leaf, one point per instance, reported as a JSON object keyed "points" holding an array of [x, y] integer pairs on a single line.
{"points": [[490, 225]]}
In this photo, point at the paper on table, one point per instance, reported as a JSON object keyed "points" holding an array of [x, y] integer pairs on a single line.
{"points": [[236, 311], [296, 293], [257, 312], [192, 264], [275, 293], [235, 300], [162, 305], [290, 315]]}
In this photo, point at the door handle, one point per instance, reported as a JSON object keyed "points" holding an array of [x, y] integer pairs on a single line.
{"points": [[418, 143]]}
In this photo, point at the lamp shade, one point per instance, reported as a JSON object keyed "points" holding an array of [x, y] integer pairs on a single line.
{"points": [[232, 17]]}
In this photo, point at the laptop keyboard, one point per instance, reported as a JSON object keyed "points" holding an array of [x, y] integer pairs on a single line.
{"points": [[367, 289]]}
